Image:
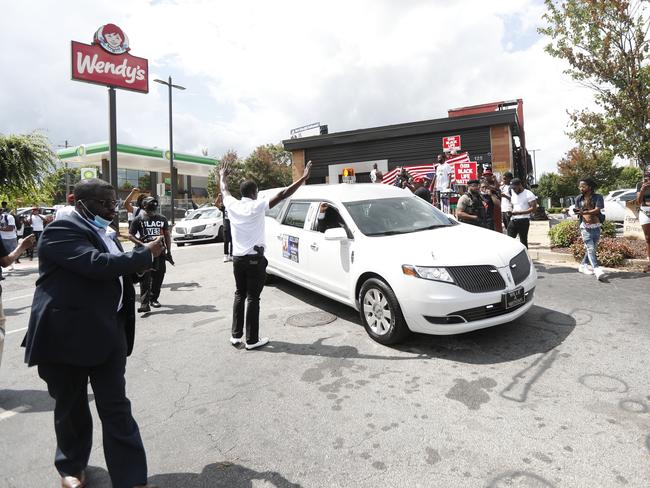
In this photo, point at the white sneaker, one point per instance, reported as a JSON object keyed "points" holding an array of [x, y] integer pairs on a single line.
{"points": [[262, 342], [225, 259], [235, 341], [600, 274], [584, 269], [229, 257]]}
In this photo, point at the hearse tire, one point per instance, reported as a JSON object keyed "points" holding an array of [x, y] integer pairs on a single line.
{"points": [[380, 312]]}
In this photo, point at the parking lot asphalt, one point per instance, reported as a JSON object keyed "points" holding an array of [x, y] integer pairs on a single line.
{"points": [[559, 398]]}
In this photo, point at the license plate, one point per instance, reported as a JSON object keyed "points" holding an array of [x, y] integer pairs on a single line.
{"points": [[189, 236], [514, 298]]}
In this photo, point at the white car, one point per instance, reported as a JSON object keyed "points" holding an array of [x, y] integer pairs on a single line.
{"points": [[205, 224], [400, 262]]}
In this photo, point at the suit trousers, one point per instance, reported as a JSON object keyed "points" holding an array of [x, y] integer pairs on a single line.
{"points": [[123, 449], [151, 282], [250, 275], [519, 227]]}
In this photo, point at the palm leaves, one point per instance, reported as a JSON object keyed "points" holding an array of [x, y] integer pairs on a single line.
{"points": [[24, 161]]}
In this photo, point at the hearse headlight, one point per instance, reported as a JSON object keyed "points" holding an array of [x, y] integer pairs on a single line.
{"points": [[428, 273]]}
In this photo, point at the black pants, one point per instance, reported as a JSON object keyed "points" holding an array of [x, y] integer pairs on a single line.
{"points": [[505, 217], [519, 227], [152, 281], [227, 238], [123, 449], [250, 274]]}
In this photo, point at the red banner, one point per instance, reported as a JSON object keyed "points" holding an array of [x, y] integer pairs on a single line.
{"points": [[465, 171], [451, 143], [92, 64]]}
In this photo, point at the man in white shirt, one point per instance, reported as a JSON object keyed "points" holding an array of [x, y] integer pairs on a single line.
{"points": [[249, 264], [442, 177], [8, 232], [524, 203], [506, 206]]}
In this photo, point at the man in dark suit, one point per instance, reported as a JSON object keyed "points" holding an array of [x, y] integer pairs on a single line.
{"points": [[82, 327]]}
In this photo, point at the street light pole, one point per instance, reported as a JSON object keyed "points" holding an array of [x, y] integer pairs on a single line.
{"points": [[534, 163], [172, 176]]}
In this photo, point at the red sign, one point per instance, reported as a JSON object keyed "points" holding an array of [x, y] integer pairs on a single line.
{"points": [[451, 143], [463, 172], [107, 61]]}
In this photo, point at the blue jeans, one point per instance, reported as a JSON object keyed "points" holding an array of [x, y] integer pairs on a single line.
{"points": [[590, 238]]}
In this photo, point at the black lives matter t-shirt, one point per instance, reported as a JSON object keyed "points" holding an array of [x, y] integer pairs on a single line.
{"points": [[147, 228]]}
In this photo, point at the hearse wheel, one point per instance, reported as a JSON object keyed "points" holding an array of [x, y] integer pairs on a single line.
{"points": [[380, 312]]}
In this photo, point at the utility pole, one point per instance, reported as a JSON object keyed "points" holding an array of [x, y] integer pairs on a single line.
{"points": [[172, 172], [534, 163]]}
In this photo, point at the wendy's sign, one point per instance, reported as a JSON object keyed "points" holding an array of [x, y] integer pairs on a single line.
{"points": [[107, 62]]}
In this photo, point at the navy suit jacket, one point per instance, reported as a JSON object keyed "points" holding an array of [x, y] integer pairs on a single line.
{"points": [[74, 317]]}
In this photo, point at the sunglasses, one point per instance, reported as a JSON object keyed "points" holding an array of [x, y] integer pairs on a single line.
{"points": [[108, 204]]}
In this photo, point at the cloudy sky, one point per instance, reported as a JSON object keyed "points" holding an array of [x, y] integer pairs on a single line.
{"points": [[256, 69]]}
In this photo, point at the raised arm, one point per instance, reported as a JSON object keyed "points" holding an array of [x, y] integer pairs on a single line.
{"points": [[127, 203], [223, 175], [290, 190]]}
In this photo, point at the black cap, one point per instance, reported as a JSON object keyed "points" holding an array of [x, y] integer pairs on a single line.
{"points": [[148, 201]]}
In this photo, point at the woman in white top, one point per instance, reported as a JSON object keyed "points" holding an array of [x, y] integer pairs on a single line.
{"points": [[643, 201]]}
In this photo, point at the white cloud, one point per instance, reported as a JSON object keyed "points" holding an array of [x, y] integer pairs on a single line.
{"points": [[256, 69]]}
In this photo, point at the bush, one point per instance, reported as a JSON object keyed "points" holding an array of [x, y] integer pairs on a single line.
{"points": [[554, 210], [564, 233], [610, 252], [568, 231]]}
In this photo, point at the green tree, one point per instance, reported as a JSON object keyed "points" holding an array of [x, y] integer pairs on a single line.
{"points": [[607, 46], [231, 157], [54, 184], [23, 160], [267, 166], [628, 178], [553, 186], [579, 163]]}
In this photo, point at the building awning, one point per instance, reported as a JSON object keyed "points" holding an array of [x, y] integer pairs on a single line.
{"points": [[447, 124], [139, 158]]}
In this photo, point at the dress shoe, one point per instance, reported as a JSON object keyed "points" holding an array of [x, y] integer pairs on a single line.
{"points": [[78, 481], [144, 309], [155, 304]]}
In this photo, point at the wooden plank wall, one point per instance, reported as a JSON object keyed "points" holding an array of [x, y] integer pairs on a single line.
{"points": [[501, 141]]}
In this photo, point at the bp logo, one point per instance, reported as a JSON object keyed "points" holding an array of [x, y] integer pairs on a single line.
{"points": [[88, 173]]}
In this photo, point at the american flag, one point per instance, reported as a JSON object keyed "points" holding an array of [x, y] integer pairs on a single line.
{"points": [[419, 172], [415, 172]]}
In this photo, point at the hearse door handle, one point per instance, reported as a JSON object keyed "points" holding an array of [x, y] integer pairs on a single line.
{"points": [[314, 246]]}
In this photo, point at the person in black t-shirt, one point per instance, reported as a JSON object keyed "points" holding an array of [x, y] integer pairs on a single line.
{"points": [[147, 227]]}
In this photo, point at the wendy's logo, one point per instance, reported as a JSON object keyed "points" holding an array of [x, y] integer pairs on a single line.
{"points": [[112, 39]]}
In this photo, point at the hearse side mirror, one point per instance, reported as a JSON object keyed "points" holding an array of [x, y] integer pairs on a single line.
{"points": [[336, 234]]}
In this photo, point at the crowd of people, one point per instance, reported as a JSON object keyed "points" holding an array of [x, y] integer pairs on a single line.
{"points": [[484, 202], [82, 323]]}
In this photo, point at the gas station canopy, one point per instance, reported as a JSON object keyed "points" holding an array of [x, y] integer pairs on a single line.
{"points": [[138, 157]]}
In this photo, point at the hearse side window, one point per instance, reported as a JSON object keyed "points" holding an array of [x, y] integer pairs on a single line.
{"points": [[297, 214], [277, 210]]}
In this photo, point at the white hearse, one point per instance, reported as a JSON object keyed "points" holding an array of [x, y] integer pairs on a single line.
{"points": [[399, 261]]}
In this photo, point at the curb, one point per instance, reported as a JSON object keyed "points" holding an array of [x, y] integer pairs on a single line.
{"points": [[547, 256]]}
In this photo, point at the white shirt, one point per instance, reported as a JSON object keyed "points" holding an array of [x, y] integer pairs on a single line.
{"points": [[521, 202], [107, 235], [246, 223], [37, 223], [64, 212], [8, 219], [373, 175], [443, 176], [506, 206]]}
